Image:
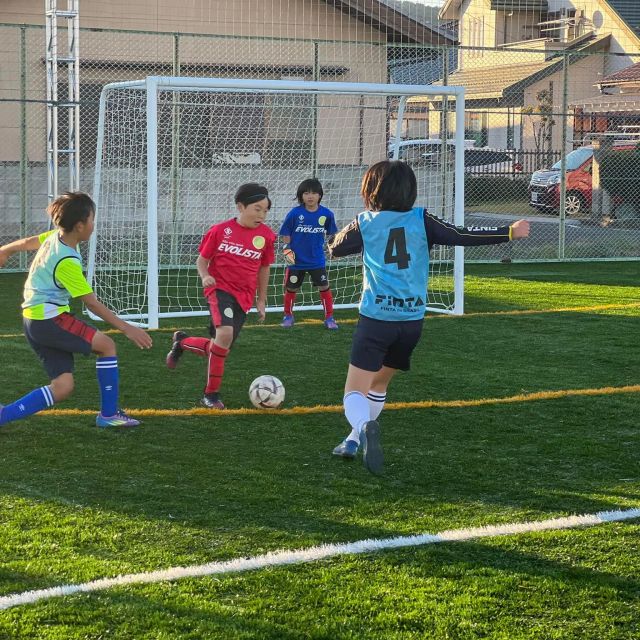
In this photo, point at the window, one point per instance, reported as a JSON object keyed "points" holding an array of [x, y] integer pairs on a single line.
{"points": [[476, 127]]}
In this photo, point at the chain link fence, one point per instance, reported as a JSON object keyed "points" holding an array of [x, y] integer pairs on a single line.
{"points": [[549, 133]]}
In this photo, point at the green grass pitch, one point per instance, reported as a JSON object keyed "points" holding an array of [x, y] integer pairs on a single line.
{"points": [[78, 504]]}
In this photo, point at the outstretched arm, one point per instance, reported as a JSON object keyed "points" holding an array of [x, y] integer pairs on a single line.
{"points": [[24, 244], [138, 336], [346, 242], [441, 232]]}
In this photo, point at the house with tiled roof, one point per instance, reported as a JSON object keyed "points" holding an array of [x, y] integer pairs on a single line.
{"points": [[615, 109], [513, 54]]}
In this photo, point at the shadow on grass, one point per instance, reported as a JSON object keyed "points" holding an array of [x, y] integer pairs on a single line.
{"points": [[435, 592]]}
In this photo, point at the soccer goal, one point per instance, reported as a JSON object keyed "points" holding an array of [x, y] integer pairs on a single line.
{"points": [[172, 151]]}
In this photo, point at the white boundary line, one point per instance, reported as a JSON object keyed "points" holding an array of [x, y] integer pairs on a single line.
{"points": [[280, 558]]}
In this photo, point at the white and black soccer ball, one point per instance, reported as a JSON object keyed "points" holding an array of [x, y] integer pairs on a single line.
{"points": [[266, 392]]}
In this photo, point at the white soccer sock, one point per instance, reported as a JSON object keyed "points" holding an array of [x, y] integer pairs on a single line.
{"points": [[376, 403], [356, 410]]}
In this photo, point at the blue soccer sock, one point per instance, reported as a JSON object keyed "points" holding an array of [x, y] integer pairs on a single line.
{"points": [[356, 410], [33, 402], [108, 380]]}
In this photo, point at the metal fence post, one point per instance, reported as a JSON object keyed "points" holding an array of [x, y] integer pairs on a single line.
{"points": [[444, 131], [314, 124], [175, 151], [563, 159], [23, 141]]}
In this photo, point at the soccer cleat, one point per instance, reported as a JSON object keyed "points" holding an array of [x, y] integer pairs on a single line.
{"points": [[346, 449], [372, 456], [119, 419], [331, 324], [287, 322], [176, 350], [212, 401]]}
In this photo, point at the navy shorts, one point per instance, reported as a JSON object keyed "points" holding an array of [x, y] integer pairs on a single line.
{"points": [[225, 312], [378, 343], [293, 278], [56, 340]]}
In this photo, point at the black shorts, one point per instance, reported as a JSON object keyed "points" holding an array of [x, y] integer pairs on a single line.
{"points": [[293, 278], [56, 340], [379, 342], [225, 312]]}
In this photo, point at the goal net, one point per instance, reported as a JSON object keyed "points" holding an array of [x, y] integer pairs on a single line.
{"points": [[172, 152]]}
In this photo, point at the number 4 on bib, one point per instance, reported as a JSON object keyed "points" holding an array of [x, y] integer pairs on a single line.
{"points": [[396, 249]]}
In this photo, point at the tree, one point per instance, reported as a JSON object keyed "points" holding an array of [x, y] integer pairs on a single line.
{"points": [[542, 122]]}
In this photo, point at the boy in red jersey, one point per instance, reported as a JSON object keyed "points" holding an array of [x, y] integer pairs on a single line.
{"points": [[234, 261]]}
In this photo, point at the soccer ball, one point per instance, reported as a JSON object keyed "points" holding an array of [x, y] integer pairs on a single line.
{"points": [[266, 392]]}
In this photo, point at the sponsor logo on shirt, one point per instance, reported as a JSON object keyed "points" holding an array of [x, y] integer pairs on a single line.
{"points": [[402, 305], [322, 220], [239, 251], [258, 242], [307, 228], [301, 217], [227, 231], [483, 228]]}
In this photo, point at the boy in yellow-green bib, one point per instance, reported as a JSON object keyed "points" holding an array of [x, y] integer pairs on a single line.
{"points": [[52, 331]]}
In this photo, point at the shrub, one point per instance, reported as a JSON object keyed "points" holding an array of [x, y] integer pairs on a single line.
{"points": [[620, 175]]}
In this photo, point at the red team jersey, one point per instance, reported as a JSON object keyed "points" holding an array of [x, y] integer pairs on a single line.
{"points": [[235, 255]]}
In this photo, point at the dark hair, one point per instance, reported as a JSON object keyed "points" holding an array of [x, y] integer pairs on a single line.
{"points": [[252, 192], [70, 208], [311, 185], [389, 185]]}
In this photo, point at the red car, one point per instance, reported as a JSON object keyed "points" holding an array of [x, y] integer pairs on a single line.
{"points": [[544, 187]]}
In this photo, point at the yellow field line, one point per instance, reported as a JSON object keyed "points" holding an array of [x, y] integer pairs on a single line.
{"points": [[311, 321], [391, 406]]}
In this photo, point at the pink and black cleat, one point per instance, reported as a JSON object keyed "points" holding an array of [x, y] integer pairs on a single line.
{"points": [[212, 401], [176, 350]]}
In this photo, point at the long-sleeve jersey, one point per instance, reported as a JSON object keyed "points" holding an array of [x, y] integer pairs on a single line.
{"points": [[395, 250]]}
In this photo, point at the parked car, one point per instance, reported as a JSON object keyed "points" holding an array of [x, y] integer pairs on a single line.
{"points": [[236, 158], [420, 150], [476, 160], [496, 161], [544, 187]]}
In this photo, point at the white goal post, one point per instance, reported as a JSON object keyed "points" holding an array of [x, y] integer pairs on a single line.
{"points": [[172, 151]]}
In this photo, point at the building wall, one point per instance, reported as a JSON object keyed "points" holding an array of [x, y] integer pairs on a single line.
{"points": [[310, 19], [479, 26], [582, 77], [229, 39]]}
